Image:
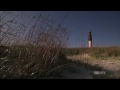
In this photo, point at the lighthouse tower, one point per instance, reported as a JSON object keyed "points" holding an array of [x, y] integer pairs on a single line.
{"points": [[90, 39]]}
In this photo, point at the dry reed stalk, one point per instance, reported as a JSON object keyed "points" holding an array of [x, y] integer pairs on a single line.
{"points": [[35, 46]]}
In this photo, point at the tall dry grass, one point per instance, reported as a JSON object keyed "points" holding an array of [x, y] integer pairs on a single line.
{"points": [[35, 45]]}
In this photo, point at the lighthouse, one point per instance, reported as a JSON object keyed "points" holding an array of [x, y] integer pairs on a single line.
{"points": [[90, 39]]}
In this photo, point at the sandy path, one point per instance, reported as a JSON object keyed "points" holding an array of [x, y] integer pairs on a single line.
{"points": [[75, 71], [79, 71], [109, 64]]}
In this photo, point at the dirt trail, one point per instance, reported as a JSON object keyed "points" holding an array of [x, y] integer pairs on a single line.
{"points": [[109, 64], [79, 71], [75, 71]]}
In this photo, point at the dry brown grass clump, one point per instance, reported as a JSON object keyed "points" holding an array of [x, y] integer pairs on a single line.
{"points": [[35, 44]]}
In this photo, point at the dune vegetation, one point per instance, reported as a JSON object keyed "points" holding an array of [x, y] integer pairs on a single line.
{"points": [[29, 50], [36, 48]]}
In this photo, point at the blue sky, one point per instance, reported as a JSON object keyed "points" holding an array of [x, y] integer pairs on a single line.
{"points": [[105, 26]]}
